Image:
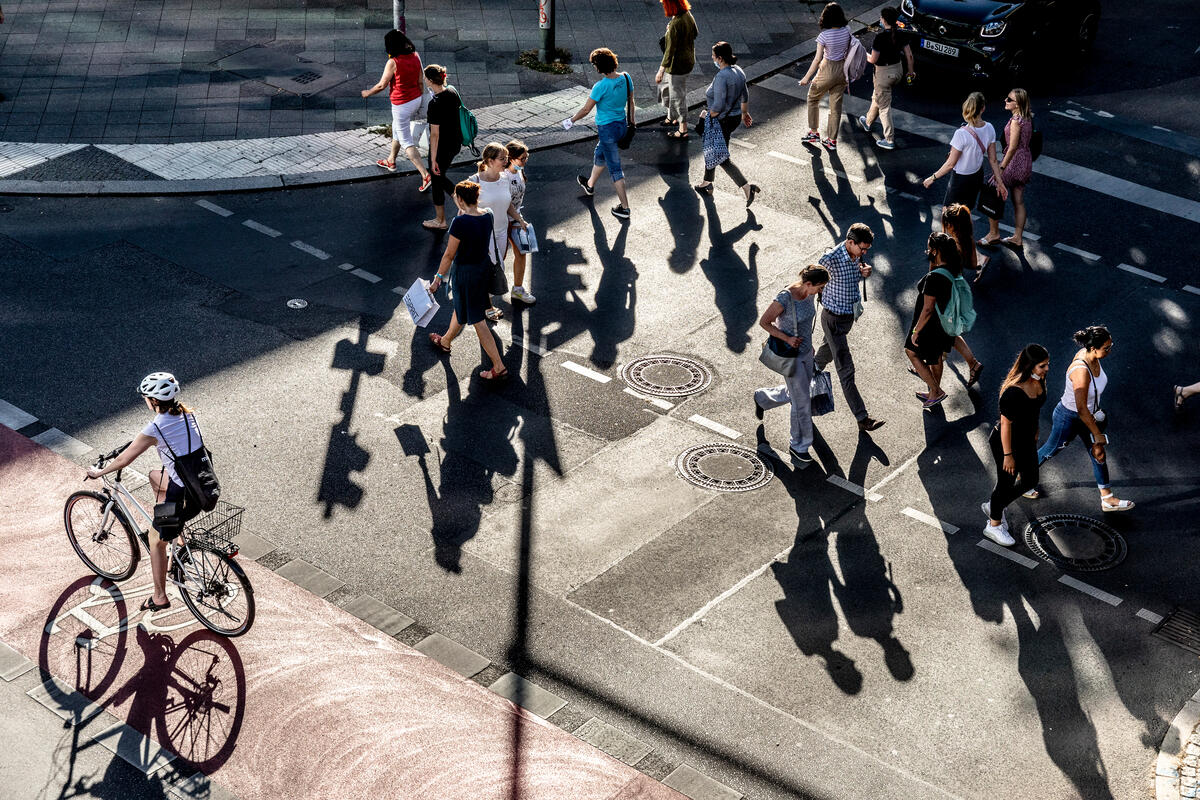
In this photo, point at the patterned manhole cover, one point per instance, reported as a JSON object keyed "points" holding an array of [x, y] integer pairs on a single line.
{"points": [[724, 467], [667, 376], [297, 303], [1075, 542]]}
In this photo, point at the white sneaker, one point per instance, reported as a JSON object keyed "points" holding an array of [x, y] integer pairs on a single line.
{"points": [[519, 293], [986, 508], [998, 534], [862, 123]]}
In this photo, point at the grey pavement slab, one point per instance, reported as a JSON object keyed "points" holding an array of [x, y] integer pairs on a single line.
{"points": [[68, 704], [307, 576], [613, 741], [449, 653], [137, 749], [379, 614], [698, 786], [527, 694], [14, 417], [252, 547], [61, 443], [12, 663]]}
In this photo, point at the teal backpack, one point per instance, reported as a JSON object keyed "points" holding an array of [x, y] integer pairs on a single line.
{"points": [[959, 315], [467, 124]]}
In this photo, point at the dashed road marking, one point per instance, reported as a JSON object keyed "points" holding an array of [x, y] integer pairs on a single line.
{"points": [[715, 427], [14, 417], [1145, 274], [348, 266], [258, 226], [1081, 253], [928, 519], [874, 497], [1088, 589], [370, 277], [587, 373], [787, 158], [1033, 237], [849, 486], [312, 251], [1004, 552], [1150, 616], [61, 443], [1191, 289], [654, 401], [743, 143], [213, 207]]}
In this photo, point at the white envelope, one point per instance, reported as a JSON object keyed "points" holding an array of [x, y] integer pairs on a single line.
{"points": [[420, 303]]}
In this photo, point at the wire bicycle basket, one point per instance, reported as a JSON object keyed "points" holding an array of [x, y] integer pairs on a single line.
{"points": [[216, 529]]}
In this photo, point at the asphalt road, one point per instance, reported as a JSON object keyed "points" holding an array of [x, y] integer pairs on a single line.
{"points": [[796, 640]]}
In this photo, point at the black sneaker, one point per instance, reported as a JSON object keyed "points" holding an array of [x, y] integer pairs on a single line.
{"points": [[803, 459], [620, 212], [758, 410], [588, 190]]}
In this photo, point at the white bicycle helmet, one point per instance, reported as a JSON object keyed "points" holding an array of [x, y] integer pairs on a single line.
{"points": [[160, 386]]}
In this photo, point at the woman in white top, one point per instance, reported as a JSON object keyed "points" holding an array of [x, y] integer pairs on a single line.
{"points": [[495, 193], [833, 42], [971, 145], [172, 429], [518, 157], [1078, 413]]}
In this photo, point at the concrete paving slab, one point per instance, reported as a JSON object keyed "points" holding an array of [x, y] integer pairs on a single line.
{"points": [[463, 660], [691, 782], [61, 443], [613, 741], [307, 576], [14, 417], [66, 703], [12, 664], [378, 614], [137, 749], [527, 694], [252, 547]]}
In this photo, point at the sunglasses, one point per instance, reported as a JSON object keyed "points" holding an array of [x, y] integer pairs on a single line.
{"points": [[1009, 100]]}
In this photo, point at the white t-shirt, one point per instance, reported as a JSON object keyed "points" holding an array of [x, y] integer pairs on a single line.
{"points": [[517, 180], [497, 196], [176, 434], [972, 157]]}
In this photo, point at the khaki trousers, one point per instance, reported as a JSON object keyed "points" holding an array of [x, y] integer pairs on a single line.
{"points": [[881, 99], [831, 80]]}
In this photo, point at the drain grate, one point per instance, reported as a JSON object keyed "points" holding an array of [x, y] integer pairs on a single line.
{"points": [[306, 77], [1181, 628], [667, 376], [1075, 542], [723, 467]]}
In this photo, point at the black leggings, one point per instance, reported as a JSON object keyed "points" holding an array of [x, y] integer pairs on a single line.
{"points": [[441, 185], [728, 125], [1010, 487]]}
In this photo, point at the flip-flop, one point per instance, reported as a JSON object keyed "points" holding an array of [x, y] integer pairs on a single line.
{"points": [[494, 314], [1178, 398], [677, 135], [1011, 245], [492, 375], [432, 225], [986, 242], [930, 403], [973, 378], [436, 340], [150, 605]]}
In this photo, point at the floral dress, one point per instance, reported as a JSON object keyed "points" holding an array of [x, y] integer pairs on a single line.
{"points": [[1020, 168]]}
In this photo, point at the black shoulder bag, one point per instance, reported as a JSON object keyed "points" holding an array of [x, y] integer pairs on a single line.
{"points": [[195, 469], [630, 116]]}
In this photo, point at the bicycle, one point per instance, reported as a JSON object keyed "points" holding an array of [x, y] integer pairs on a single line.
{"points": [[201, 566]]}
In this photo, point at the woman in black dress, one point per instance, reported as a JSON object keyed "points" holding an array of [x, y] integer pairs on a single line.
{"points": [[928, 343], [470, 247], [1014, 440]]}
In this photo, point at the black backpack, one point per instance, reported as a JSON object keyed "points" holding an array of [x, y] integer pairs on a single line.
{"points": [[195, 469]]}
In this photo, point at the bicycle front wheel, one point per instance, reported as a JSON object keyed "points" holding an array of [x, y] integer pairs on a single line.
{"points": [[217, 591], [103, 541]]}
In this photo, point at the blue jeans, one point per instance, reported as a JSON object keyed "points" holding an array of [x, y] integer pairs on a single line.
{"points": [[607, 153], [1068, 425]]}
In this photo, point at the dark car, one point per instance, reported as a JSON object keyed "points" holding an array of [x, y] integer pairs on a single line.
{"points": [[989, 39]]}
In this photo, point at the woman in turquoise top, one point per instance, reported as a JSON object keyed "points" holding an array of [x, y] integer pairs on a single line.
{"points": [[608, 97]]}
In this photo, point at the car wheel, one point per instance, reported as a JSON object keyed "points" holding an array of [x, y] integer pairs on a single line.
{"points": [[1085, 38]]}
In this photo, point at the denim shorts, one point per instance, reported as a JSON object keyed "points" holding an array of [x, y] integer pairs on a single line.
{"points": [[607, 153]]}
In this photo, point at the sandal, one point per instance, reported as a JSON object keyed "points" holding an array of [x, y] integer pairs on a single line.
{"points": [[493, 375], [1009, 243], [150, 605], [433, 225], [986, 242], [436, 340], [930, 402], [1178, 398], [390, 166], [669, 123], [494, 314], [425, 182], [973, 378], [1032, 494], [1120, 505], [677, 135]]}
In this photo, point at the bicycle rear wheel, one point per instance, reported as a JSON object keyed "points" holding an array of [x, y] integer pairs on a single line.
{"points": [[106, 546], [217, 591]]}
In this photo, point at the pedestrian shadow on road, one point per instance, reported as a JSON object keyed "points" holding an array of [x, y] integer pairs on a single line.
{"points": [[734, 281], [613, 319], [681, 207]]}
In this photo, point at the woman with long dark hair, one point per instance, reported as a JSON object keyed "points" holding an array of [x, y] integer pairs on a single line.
{"points": [[1016, 167], [927, 342], [726, 96], [402, 76], [956, 221], [1014, 439]]}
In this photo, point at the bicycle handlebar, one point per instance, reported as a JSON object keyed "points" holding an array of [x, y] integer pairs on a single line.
{"points": [[104, 459]]}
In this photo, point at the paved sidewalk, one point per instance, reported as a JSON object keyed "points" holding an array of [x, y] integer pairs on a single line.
{"points": [[109, 98]]}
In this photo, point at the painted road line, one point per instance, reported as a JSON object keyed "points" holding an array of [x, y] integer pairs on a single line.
{"points": [[312, 251], [743, 143], [715, 427], [789, 159], [1151, 275], [655, 401], [1088, 589], [1191, 289], [61, 443], [1149, 616], [213, 207], [853, 488], [1004, 552], [258, 226], [1033, 237], [587, 373], [874, 497], [348, 266], [14, 417], [370, 277], [932, 521], [1081, 253]]}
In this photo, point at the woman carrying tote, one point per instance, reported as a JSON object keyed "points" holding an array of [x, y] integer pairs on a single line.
{"points": [[927, 342], [726, 96], [679, 59], [495, 194], [789, 319], [1079, 413], [470, 247], [402, 76], [972, 144], [833, 43], [1014, 439]]}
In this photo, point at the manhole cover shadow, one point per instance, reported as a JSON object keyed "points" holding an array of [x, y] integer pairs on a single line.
{"points": [[1075, 542], [723, 467], [664, 375]]}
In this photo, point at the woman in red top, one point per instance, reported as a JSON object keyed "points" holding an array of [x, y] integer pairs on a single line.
{"points": [[410, 101]]}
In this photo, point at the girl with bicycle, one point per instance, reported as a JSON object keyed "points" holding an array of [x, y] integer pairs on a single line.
{"points": [[174, 432]]}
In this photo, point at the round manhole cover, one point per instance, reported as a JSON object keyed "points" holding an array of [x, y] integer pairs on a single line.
{"points": [[724, 467], [667, 376], [1075, 542], [297, 303]]}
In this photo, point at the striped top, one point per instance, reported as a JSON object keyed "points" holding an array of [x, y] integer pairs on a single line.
{"points": [[836, 41]]}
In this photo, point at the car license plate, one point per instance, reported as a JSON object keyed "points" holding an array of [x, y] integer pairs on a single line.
{"points": [[938, 47]]}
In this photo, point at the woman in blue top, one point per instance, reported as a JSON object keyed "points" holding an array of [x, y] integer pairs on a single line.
{"points": [[608, 97], [789, 318], [471, 247]]}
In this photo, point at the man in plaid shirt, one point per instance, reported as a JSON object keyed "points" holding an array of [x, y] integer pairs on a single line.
{"points": [[838, 301]]}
